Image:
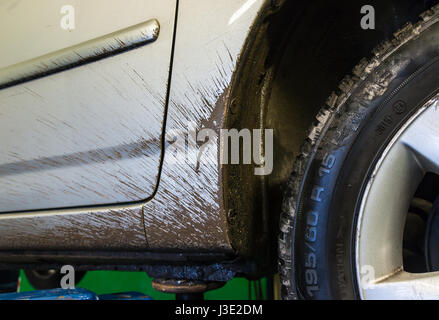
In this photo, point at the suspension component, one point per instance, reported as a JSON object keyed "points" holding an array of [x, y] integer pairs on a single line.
{"points": [[185, 289]]}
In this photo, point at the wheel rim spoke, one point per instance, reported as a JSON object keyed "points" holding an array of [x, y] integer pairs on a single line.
{"points": [[422, 138], [381, 229], [405, 286], [412, 153]]}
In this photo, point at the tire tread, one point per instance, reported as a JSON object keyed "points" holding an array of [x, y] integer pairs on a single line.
{"points": [[334, 105]]}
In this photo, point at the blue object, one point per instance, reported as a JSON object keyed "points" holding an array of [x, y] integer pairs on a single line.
{"points": [[71, 294], [55, 294], [124, 296]]}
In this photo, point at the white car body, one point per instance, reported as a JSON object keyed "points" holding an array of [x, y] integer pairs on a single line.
{"points": [[81, 161]]}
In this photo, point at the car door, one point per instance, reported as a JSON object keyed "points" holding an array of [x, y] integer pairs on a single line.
{"points": [[83, 89]]}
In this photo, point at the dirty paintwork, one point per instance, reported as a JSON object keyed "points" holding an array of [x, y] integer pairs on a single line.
{"points": [[88, 51], [33, 29], [90, 135], [118, 229], [186, 212]]}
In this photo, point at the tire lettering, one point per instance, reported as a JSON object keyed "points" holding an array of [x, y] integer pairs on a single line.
{"points": [[316, 192], [311, 278], [327, 164], [311, 231], [311, 261]]}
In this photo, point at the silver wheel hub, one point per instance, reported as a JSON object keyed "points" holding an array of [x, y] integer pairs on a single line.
{"points": [[412, 153]]}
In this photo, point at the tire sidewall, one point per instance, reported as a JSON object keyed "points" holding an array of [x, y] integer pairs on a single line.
{"points": [[342, 163]]}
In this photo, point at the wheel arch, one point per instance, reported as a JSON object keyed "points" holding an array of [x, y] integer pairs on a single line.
{"points": [[295, 56]]}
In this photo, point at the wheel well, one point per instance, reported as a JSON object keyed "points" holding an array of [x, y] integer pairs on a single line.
{"points": [[296, 55], [325, 44]]}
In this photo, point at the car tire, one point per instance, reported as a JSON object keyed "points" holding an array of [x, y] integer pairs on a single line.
{"points": [[321, 203]]}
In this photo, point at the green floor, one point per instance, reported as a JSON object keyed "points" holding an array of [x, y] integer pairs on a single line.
{"points": [[102, 282]]}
